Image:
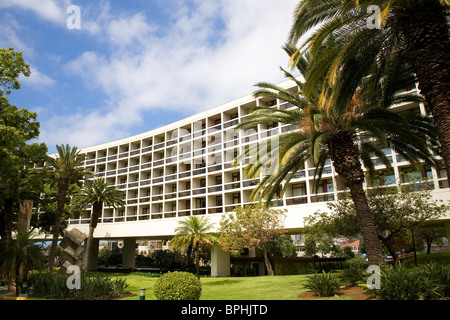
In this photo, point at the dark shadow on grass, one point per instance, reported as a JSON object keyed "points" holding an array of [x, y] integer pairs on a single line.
{"points": [[222, 282]]}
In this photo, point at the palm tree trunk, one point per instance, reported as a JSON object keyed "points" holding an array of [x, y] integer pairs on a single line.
{"points": [[63, 186], [87, 253], [6, 219], [197, 262], [189, 258], [426, 33], [348, 167], [97, 208]]}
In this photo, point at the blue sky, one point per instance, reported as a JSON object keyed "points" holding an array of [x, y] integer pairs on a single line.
{"points": [[136, 65]]}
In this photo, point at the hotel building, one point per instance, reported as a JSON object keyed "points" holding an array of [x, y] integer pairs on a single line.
{"points": [[186, 168]]}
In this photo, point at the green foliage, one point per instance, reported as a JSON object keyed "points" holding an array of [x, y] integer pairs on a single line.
{"points": [[401, 283], [192, 234], [167, 260], [310, 247], [12, 66], [178, 286], [284, 247], [439, 272], [54, 285], [324, 285], [18, 256], [396, 212], [252, 226], [48, 285], [354, 270]]}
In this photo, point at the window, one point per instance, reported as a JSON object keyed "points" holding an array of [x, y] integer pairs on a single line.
{"points": [[298, 190], [236, 198], [219, 201], [326, 186]]}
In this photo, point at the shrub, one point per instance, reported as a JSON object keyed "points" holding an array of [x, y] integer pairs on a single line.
{"points": [[355, 270], [48, 285], [324, 285], [401, 283], [54, 285], [439, 272], [178, 286]]}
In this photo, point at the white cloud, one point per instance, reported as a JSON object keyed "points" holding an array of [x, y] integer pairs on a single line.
{"points": [[209, 55], [37, 79], [51, 10]]}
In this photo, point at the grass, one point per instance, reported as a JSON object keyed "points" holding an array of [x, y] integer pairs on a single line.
{"points": [[249, 288], [245, 288], [443, 257]]}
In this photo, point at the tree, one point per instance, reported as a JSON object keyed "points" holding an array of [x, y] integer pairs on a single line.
{"points": [[20, 255], [17, 155], [349, 133], [65, 170], [415, 29], [394, 214], [430, 234], [44, 219], [99, 194], [284, 247], [12, 66], [193, 232], [310, 246], [252, 226]]}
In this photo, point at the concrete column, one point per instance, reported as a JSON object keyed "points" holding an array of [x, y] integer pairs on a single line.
{"points": [[129, 253], [447, 231], [93, 259], [220, 262]]}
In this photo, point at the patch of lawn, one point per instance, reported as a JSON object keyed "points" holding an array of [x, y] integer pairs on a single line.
{"points": [[236, 288], [253, 288], [439, 257]]}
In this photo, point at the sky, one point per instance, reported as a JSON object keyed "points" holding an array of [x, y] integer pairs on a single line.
{"points": [[105, 70]]}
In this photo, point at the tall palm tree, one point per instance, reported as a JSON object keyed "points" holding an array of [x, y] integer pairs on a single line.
{"points": [[99, 194], [65, 170], [418, 28], [347, 134], [194, 231]]}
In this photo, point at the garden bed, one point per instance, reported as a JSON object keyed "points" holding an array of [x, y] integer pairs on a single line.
{"points": [[355, 292]]}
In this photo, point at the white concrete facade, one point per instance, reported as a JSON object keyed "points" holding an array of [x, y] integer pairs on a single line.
{"points": [[185, 168]]}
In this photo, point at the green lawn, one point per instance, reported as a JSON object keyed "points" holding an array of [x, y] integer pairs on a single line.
{"points": [[440, 257], [248, 288]]}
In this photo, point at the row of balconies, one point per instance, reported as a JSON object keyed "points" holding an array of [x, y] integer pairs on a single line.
{"points": [[176, 204]]}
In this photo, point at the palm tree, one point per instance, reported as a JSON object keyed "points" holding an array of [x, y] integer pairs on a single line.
{"points": [[20, 254], [418, 29], [348, 134], [193, 232], [65, 170], [98, 194]]}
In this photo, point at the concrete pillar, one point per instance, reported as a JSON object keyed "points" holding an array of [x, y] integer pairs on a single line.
{"points": [[447, 231], [93, 259], [129, 253], [220, 262]]}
